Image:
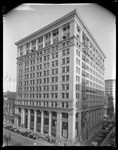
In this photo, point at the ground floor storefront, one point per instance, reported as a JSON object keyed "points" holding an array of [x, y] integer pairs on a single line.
{"points": [[64, 126], [8, 119]]}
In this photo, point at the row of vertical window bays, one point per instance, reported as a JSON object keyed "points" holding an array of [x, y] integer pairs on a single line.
{"points": [[92, 64], [45, 113], [64, 87], [91, 96], [55, 55], [90, 47], [42, 51], [47, 51], [44, 103], [109, 85], [65, 78], [54, 79], [92, 57], [66, 34], [64, 61], [86, 96], [47, 39], [53, 103], [65, 69], [42, 59], [109, 89]]}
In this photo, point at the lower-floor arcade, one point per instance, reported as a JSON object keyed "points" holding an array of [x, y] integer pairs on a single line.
{"points": [[69, 126]]}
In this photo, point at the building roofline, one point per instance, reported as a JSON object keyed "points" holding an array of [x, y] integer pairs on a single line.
{"points": [[88, 31], [58, 20], [110, 80], [47, 26]]}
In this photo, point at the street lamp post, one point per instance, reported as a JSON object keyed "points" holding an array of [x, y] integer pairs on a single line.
{"points": [[55, 127]]}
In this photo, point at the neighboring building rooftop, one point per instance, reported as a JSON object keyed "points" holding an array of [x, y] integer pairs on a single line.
{"points": [[10, 95]]}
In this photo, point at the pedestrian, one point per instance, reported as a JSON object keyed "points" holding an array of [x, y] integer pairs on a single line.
{"points": [[34, 143], [5, 138], [9, 137]]}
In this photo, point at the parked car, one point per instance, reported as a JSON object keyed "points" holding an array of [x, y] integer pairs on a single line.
{"points": [[26, 134], [11, 129], [32, 136], [37, 136], [41, 136], [101, 135], [52, 140], [99, 140], [17, 131], [47, 138], [22, 132], [8, 127]]}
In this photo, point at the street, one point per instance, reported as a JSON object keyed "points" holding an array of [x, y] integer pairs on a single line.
{"points": [[99, 131], [106, 140], [19, 140]]}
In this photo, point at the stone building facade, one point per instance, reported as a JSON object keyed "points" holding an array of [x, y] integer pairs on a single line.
{"points": [[9, 107], [60, 80]]}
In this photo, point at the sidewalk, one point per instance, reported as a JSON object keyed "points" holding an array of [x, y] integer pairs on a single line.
{"points": [[39, 142], [95, 133]]}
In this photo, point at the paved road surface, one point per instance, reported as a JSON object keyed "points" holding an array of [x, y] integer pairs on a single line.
{"points": [[19, 140], [106, 140], [96, 133]]}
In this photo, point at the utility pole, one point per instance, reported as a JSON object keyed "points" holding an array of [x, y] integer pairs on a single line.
{"points": [[41, 20]]}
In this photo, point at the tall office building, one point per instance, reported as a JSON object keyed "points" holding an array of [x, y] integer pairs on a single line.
{"points": [[9, 84], [60, 80], [110, 90]]}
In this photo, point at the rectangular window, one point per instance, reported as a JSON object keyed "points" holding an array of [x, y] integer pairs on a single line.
{"points": [[63, 52], [56, 87], [67, 77], [52, 71], [52, 63], [52, 79], [67, 60], [68, 51], [52, 95], [63, 61], [52, 55], [63, 95], [63, 69], [56, 79], [56, 95], [67, 68], [67, 95], [62, 102], [67, 86], [77, 52], [56, 63], [63, 86], [56, 70], [63, 78]]}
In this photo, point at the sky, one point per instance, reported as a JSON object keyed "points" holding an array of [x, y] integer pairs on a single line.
{"points": [[28, 18]]}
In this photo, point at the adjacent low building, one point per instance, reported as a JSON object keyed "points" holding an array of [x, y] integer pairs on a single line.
{"points": [[9, 107], [60, 80]]}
